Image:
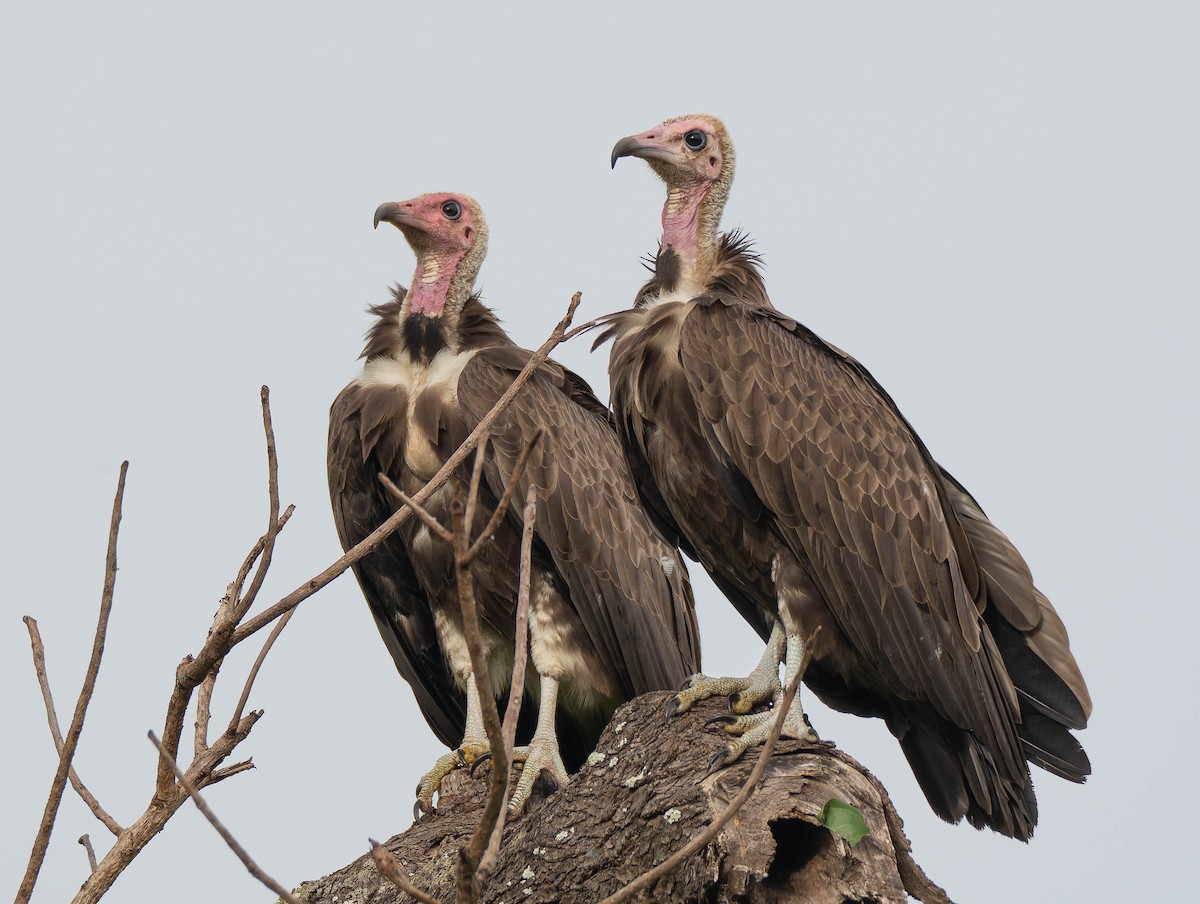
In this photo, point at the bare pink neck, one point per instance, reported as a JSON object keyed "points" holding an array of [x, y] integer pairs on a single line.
{"points": [[681, 219], [431, 284]]}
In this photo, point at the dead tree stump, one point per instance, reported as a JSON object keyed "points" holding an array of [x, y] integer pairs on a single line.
{"points": [[640, 797]]}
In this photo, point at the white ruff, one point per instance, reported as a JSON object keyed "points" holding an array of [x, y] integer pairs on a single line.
{"points": [[439, 375], [686, 290], [443, 371]]}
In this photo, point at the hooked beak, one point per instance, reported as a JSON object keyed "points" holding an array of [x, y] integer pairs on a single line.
{"points": [[391, 212], [646, 146]]}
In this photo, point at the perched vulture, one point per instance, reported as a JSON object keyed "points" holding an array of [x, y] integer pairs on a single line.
{"points": [[779, 462], [611, 611]]}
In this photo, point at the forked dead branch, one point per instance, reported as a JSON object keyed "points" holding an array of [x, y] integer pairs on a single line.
{"points": [[197, 674]]}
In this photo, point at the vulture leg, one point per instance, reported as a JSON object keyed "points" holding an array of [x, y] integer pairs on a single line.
{"points": [[474, 744], [542, 754], [761, 686], [754, 728]]}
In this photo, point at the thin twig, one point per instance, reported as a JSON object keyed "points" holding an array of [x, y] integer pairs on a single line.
{"points": [[91, 851], [516, 690], [235, 589], [476, 478], [247, 861], [471, 854], [232, 592], [39, 666], [709, 832], [502, 507], [381, 533], [204, 708], [193, 672], [222, 774], [389, 866], [422, 513], [42, 839], [273, 526], [262, 654]]}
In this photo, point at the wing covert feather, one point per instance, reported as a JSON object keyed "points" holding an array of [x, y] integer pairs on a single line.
{"points": [[853, 491], [637, 611], [365, 438]]}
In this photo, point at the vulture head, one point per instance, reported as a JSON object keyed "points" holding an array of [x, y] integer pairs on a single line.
{"points": [[449, 236], [683, 151], [694, 156]]}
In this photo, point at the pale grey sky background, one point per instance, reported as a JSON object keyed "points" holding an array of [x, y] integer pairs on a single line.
{"points": [[996, 210]]}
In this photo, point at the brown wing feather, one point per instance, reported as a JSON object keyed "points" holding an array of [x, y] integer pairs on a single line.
{"points": [[855, 494], [366, 436], [639, 617]]}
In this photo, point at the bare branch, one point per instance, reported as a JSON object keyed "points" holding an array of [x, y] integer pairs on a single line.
{"points": [[91, 851], [204, 708], [39, 666], [381, 533], [470, 856], [419, 510], [516, 689], [390, 868], [262, 655], [502, 508], [193, 672], [273, 525], [229, 771], [701, 839], [235, 589], [476, 478], [249, 863], [42, 839]]}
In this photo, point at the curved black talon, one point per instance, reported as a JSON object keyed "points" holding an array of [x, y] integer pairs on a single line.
{"points": [[462, 760], [724, 719], [482, 758], [808, 722], [671, 708], [718, 761], [417, 812]]}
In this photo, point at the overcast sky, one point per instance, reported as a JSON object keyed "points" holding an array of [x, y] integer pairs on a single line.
{"points": [[996, 210]]}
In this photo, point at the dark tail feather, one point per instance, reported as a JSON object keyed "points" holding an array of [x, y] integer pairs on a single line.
{"points": [[960, 779], [1048, 744]]}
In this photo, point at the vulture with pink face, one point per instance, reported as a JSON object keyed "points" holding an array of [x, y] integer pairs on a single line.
{"points": [[611, 612], [779, 462]]}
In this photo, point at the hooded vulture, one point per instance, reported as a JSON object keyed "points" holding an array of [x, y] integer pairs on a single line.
{"points": [[611, 611], [780, 463]]}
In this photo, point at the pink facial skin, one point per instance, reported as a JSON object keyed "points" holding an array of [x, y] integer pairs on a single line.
{"points": [[688, 174], [440, 243]]}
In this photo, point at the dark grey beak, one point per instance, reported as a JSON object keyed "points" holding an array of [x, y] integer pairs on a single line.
{"points": [[626, 147], [389, 212]]}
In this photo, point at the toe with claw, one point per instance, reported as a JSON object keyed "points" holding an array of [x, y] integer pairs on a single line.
{"points": [[431, 782], [539, 760]]}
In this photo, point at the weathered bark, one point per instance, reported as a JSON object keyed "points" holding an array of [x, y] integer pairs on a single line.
{"points": [[640, 797]]}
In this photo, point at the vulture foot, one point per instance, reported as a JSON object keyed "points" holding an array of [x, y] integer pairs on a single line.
{"points": [[745, 694], [431, 781], [540, 758], [701, 687], [754, 728]]}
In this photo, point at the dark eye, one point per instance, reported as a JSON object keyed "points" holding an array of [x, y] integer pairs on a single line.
{"points": [[695, 140], [451, 210]]}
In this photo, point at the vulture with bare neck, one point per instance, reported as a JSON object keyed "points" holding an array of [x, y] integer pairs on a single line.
{"points": [[780, 463], [611, 612]]}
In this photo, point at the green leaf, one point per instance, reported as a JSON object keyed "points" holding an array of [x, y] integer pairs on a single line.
{"points": [[847, 821]]}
